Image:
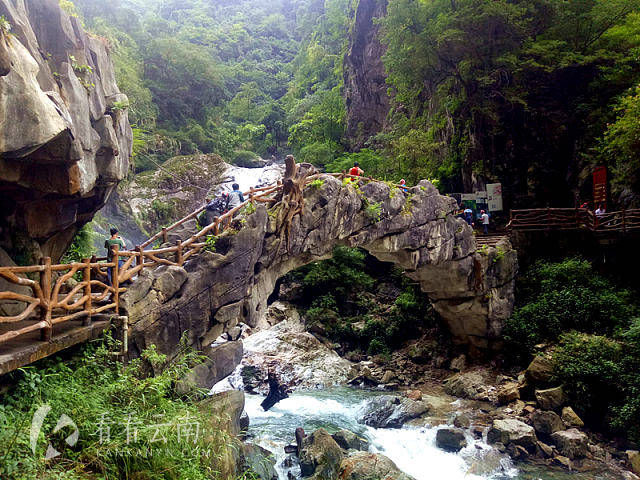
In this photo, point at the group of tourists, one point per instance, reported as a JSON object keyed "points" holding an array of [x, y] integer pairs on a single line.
{"points": [[216, 207], [484, 219]]}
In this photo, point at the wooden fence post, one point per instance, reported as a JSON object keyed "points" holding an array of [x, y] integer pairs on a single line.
{"points": [[179, 260], [624, 222], [139, 257], [115, 280], [164, 234], [88, 305], [45, 310]]}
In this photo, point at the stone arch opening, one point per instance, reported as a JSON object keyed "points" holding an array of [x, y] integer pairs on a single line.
{"points": [[470, 288]]}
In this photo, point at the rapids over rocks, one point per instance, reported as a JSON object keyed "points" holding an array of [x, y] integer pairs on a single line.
{"points": [[319, 402]]}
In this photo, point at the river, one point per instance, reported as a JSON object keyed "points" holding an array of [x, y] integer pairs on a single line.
{"points": [[413, 449]]}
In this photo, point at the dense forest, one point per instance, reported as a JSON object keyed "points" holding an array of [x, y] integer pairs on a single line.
{"points": [[529, 93]]}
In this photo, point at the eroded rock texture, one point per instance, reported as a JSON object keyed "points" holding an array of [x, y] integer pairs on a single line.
{"points": [[365, 87], [472, 290], [65, 139]]}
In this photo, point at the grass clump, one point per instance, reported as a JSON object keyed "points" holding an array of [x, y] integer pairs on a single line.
{"points": [[130, 424]]}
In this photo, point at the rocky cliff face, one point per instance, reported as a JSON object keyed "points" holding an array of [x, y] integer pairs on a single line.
{"points": [[472, 290], [65, 139], [365, 89]]}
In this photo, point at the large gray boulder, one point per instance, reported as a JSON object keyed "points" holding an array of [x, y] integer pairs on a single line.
{"points": [[512, 431], [320, 456], [257, 462], [551, 398], [451, 439], [225, 410], [391, 411], [546, 422], [370, 466], [467, 385], [350, 441], [571, 443], [540, 370], [221, 361], [65, 139]]}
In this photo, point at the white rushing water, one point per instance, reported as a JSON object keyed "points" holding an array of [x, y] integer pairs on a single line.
{"points": [[252, 177], [413, 449]]}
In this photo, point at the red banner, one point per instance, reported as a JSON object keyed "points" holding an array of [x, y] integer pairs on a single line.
{"points": [[600, 187]]}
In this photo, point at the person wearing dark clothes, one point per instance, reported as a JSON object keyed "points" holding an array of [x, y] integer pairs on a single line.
{"points": [[110, 244]]}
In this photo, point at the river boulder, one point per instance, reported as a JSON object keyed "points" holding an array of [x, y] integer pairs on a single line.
{"points": [[221, 361], [320, 456], [451, 439], [370, 466], [571, 443], [298, 359], [571, 418], [257, 461], [550, 398], [546, 422], [512, 431], [350, 441], [391, 411], [467, 385], [540, 370]]}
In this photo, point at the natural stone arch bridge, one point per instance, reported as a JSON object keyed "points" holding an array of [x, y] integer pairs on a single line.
{"points": [[470, 287]]}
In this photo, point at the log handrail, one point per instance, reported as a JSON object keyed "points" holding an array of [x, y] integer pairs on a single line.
{"points": [[538, 219], [87, 296]]}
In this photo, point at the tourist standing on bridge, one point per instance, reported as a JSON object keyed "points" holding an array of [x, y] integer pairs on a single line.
{"points": [[235, 197], [485, 221], [356, 171], [109, 244]]}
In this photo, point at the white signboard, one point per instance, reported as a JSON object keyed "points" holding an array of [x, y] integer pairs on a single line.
{"points": [[494, 197]]}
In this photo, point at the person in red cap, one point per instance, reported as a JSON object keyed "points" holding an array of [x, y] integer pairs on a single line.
{"points": [[484, 216]]}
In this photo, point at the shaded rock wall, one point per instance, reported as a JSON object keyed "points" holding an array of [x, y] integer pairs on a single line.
{"points": [[472, 290], [365, 89], [65, 139]]}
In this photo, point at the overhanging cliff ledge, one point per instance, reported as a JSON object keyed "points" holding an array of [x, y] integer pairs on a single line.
{"points": [[65, 138]]}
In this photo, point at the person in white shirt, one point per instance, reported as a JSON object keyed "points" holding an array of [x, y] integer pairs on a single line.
{"points": [[485, 221]]}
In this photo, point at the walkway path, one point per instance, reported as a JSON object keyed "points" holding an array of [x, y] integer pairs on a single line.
{"points": [[52, 307]]}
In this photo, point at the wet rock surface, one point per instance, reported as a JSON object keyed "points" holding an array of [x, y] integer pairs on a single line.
{"points": [[391, 411], [370, 466], [451, 439]]}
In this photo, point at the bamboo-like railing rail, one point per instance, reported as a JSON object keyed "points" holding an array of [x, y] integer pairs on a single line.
{"points": [[543, 219], [52, 302]]}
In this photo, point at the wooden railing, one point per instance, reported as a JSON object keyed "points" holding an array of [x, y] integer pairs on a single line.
{"points": [[53, 301], [540, 219]]}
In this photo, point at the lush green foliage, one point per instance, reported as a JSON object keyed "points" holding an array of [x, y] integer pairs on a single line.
{"points": [[555, 298], [219, 77], [601, 376], [92, 387], [349, 311], [475, 81], [82, 246], [620, 147]]}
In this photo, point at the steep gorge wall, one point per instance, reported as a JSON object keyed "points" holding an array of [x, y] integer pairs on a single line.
{"points": [[365, 90], [65, 138]]}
